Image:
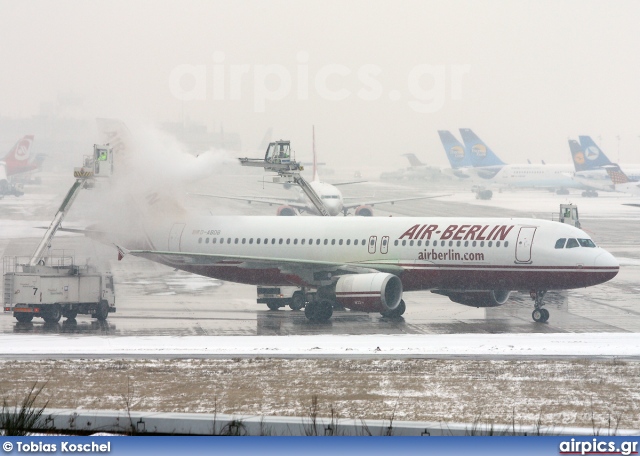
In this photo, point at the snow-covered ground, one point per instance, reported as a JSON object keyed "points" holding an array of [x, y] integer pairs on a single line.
{"points": [[585, 345]]}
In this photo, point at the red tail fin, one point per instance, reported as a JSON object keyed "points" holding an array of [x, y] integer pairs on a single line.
{"points": [[19, 160]]}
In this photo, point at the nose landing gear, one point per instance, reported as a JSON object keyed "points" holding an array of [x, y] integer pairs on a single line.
{"points": [[540, 314]]}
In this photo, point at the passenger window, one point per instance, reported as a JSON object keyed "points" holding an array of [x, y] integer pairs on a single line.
{"points": [[419, 243], [280, 241], [355, 242], [348, 241], [426, 243], [295, 241], [221, 240], [251, 240], [244, 240], [333, 242], [258, 241], [481, 243], [572, 243], [200, 241], [490, 244], [411, 243], [288, 241], [326, 241], [214, 240], [497, 243], [441, 243], [473, 244], [236, 240], [404, 242], [273, 240], [395, 242], [560, 243], [206, 241], [458, 244], [450, 243], [506, 243], [302, 241], [266, 240], [340, 242], [466, 243], [317, 241]]}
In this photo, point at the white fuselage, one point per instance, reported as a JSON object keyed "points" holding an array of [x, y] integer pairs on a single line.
{"points": [[330, 195], [426, 253], [534, 175]]}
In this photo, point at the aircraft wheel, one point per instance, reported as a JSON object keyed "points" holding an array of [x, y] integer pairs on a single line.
{"points": [[24, 317], [545, 315], [319, 311], [70, 314], [297, 301], [537, 315], [397, 312]]}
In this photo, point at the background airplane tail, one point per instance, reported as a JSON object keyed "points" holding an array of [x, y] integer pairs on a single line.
{"points": [[458, 157], [617, 175], [413, 160], [480, 154], [19, 158], [592, 156], [577, 156]]}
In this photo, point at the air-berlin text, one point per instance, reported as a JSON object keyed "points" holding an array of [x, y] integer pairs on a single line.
{"points": [[459, 232]]}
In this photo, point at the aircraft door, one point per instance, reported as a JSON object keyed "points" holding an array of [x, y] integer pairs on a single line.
{"points": [[174, 237], [384, 245], [524, 244], [373, 240]]}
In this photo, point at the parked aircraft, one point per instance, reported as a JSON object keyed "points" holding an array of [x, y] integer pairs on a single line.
{"points": [[330, 195], [18, 160], [477, 162], [367, 264], [594, 159]]}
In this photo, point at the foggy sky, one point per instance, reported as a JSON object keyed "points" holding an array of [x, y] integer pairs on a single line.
{"points": [[537, 72]]}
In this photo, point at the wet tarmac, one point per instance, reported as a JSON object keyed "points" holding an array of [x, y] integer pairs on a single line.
{"points": [[156, 300]]}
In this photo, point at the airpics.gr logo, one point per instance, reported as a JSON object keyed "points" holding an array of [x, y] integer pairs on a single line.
{"points": [[591, 153], [457, 152], [479, 150], [579, 158]]}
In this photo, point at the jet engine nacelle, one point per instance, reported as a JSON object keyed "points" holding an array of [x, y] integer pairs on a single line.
{"points": [[375, 292], [491, 298], [364, 211], [287, 210]]}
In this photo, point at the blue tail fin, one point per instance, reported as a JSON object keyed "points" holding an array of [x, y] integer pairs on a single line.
{"points": [[577, 156], [479, 153], [458, 157], [593, 157]]}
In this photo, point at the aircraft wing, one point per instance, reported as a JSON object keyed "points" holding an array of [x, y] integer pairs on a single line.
{"points": [[300, 267], [391, 201], [337, 184], [260, 199]]}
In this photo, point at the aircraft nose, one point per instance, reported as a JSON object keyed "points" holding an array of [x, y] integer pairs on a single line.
{"points": [[607, 266], [606, 260]]}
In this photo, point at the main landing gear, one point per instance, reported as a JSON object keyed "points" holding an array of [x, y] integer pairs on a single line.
{"points": [[540, 314]]}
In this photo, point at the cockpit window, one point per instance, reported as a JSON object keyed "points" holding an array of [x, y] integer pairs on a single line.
{"points": [[571, 243], [586, 243], [560, 243]]}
